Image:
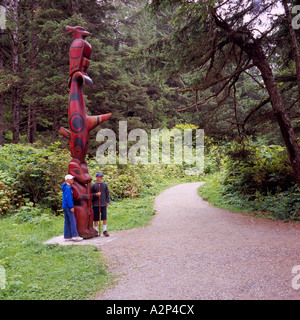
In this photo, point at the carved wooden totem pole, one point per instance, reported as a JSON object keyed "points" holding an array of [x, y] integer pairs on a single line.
{"points": [[80, 125]]}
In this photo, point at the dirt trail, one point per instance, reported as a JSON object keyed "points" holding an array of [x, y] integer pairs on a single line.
{"points": [[194, 251]]}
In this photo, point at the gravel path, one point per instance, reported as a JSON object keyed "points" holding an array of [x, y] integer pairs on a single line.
{"points": [[194, 251]]}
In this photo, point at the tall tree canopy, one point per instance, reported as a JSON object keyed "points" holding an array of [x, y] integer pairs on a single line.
{"points": [[230, 67], [219, 43], [34, 67]]}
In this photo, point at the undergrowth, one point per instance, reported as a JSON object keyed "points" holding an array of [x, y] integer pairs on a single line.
{"points": [[283, 205]]}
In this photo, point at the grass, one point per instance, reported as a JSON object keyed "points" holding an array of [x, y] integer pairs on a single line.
{"points": [[130, 213], [212, 192], [38, 272], [51, 272], [279, 206]]}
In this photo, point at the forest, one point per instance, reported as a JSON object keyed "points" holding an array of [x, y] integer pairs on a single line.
{"points": [[229, 67]]}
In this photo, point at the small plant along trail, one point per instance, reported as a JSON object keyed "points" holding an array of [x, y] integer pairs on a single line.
{"points": [[191, 250]]}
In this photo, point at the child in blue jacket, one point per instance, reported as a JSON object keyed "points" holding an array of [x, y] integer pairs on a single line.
{"points": [[70, 229]]}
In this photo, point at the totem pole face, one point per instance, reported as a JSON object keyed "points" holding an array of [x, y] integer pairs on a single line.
{"points": [[79, 171], [78, 32], [80, 50]]}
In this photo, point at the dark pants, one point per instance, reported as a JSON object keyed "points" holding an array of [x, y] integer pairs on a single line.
{"points": [[103, 213], [70, 229]]}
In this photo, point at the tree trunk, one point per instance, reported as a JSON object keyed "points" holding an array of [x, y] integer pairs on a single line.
{"points": [[31, 112], [15, 68], [31, 123], [254, 50], [281, 114], [56, 125]]}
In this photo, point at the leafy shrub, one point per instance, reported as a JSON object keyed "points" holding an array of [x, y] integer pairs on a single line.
{"points": [[252, 167], [10, 193], [256, 178], [123, 182], [282, 205], [215, 155], [32, 176], [32, 213], [33, 173], [132, 181]]}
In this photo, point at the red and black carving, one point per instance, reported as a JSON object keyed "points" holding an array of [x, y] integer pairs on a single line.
{"points": [[76, 123], [80, 125]]}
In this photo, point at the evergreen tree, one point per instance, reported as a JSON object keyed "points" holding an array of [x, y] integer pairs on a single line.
{"points": [[219, 41], [35, 84]]}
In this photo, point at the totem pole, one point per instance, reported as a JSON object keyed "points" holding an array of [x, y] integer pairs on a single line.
{"points": [[80, 125]]}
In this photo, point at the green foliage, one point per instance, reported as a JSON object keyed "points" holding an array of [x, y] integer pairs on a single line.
{"points": [[122, 86], [283, 205], [123, 182], [132, 181], [212, 191], [252, 178], [252, 167], [30, 179], [32, 214], [130, 213], [32, 174], [9, 193], [215, 156]]}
